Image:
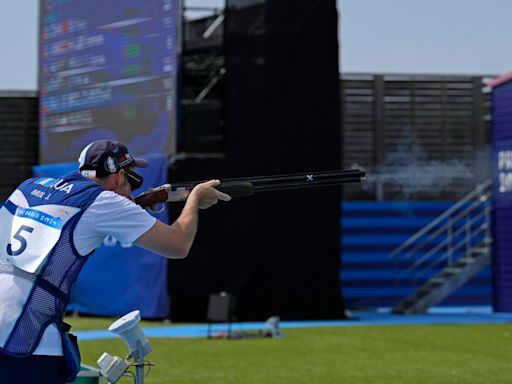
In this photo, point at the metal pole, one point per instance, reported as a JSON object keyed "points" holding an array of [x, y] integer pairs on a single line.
{"points": [[139, 365]]}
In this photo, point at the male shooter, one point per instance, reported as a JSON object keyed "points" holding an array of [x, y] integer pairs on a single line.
{"points": [[49, 228]]}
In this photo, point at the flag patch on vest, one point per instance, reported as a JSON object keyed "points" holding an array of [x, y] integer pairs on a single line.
{"points": [[46, 181]]}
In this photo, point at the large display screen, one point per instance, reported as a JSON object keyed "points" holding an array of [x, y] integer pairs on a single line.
{"points": [[107, 69]]}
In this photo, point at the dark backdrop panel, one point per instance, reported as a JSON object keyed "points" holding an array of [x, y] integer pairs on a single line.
{"points": [[277, 253], [19, 144]]}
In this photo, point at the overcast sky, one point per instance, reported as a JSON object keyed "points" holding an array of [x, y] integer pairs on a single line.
{"points": [[376, 36]]}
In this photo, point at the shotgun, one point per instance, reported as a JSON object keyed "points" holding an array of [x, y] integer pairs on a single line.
{"points": [[247, 186]]}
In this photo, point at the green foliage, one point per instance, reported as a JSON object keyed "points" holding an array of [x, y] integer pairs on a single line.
{"points": [[385, 354]]}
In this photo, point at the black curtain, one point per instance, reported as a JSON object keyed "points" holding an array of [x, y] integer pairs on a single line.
{"points": [[278, 253]]}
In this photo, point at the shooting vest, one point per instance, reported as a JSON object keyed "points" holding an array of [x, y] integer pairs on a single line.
{"points": [[36, 242]]}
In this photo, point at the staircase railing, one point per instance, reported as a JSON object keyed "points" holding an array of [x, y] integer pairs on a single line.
{"points": [[451, 235]]}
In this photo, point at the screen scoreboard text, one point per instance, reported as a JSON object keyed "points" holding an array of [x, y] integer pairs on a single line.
{"points": [[107, 70]]}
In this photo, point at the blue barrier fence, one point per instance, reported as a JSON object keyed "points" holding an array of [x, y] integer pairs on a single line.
{"points": [[370, 230]]}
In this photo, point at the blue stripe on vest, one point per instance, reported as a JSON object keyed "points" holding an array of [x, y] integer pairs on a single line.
{"points": [[10, 206], [40, 217]]}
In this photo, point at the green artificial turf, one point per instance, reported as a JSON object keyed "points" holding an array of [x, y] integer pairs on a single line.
{"points": [[384, 354]]}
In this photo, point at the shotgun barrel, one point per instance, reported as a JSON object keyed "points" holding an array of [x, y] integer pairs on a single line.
{"points": [[247, 186]]}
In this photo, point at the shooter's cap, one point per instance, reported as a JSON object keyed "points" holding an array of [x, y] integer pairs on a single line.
{"points": [[105, 157]]}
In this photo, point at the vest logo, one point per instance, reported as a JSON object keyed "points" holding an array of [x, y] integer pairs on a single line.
{"points": [[60, 185]]}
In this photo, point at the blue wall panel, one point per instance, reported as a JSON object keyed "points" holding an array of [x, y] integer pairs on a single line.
{"points": [[502, 195], [370, 230]]}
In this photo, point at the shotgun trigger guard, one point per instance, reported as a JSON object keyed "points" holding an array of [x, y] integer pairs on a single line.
{"points": [[160, 206]]}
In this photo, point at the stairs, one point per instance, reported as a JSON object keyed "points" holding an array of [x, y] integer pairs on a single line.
{"points": [[447, 253], [447, 281]]}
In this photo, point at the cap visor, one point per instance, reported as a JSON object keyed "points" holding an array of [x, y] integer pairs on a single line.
{"points": [[141, 163]]}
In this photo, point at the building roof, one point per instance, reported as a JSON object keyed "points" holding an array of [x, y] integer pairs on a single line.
{"points": [[500, 80]]}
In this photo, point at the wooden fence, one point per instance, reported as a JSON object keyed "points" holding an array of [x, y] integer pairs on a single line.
{"points": [[418, 136]]}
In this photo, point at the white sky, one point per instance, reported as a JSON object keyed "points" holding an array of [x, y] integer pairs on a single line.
{"points": [[376, 36]]}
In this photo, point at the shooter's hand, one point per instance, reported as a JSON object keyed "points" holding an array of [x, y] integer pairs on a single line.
{"points": [[207, 195]]}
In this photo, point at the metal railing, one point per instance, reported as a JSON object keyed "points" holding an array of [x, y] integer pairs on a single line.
{"points": [[453, 234]]}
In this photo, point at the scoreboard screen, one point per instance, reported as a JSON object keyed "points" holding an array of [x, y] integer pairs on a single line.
{"points": [[107, 70]]}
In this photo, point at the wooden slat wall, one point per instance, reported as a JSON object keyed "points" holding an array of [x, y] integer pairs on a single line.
{"points": [[19, 141], [444, 118]]}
